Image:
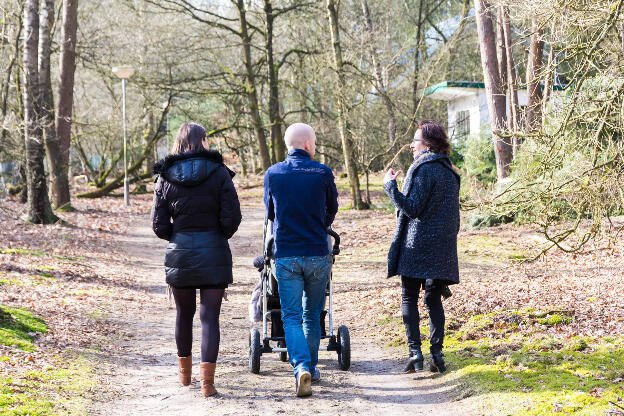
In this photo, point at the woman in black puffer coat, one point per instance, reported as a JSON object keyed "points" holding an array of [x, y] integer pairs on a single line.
{"points": [[196, 209], [424, 248]]}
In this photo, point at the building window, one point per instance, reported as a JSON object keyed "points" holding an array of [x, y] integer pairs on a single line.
{"points": [[462, 123]]}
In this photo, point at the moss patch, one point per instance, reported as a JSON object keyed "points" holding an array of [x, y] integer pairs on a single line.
{"points": [[37, 253], [489, 250], [555, 319], [18, 327], [516, 368], [59, 390], [541, 381]]}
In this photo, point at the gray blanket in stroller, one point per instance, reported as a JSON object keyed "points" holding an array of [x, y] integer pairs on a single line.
{"points": [[255, 303]]}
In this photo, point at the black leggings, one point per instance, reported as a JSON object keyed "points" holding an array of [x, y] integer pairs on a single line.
{"points": [[209, 309], [411, 318]]}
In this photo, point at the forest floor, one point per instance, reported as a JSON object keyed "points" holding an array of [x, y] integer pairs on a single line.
{"points": [[86, 327]]}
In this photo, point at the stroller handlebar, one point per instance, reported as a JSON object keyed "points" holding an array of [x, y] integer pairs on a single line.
{"points": [[268, 247], [336, 248]]}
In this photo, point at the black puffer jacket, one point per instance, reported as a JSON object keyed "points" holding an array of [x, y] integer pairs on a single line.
{"points": [[196, 209]]}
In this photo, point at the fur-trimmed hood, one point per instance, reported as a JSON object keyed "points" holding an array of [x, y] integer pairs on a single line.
{"points": [[163, 164], [190, 168]]}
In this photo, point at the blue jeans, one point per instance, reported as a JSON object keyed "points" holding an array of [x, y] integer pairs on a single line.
{"points": [[301, 282]]}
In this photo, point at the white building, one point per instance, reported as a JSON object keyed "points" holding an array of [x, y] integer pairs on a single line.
{"points": [[467, 105]]}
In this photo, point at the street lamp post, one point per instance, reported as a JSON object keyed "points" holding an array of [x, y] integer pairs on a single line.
{"points": [[124, 72]]}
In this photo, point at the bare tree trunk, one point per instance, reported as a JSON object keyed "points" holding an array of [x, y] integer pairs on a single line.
{"points": [[254, 164], [19, 73], [323, 153], [501, 52], [243, 160], [495, 99], [39, 209], [514, 108], [534, 69], [252, 96], [7, 81], [67, 68], [148, 131], [379, 82], [279, 147], [23, 183], [548, 78], [59, 183], [415, 94], [368, 196], [347, 146]]}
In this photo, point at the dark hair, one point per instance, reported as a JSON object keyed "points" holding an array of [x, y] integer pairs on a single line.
{"points": [[434, 136], [189, 138]]}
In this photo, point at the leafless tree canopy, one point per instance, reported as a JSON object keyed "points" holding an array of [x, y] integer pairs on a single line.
{"points": [[354, 69]]}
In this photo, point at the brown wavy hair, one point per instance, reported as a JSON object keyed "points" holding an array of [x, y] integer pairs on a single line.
{"points": [[434, 136], [189, 139]]}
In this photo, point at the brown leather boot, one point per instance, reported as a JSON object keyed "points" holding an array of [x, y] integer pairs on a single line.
{"points": [[206, 377], [185, 365]]}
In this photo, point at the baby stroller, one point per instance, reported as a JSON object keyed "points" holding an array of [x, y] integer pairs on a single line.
{"points": [[271, 311]]}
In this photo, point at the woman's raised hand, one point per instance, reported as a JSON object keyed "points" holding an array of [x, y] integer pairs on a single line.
{"points": [[391, 175]]}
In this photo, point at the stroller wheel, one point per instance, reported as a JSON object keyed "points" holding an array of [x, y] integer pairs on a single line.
{"points": [[344, 348], [283, 355], [255, 350]]}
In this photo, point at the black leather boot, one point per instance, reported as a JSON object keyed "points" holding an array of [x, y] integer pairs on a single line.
{"points": [[437, 363], [415, 362]]}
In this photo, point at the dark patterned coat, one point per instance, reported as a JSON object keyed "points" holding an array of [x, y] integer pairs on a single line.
{"points": [[425, 240], [196, 209]]}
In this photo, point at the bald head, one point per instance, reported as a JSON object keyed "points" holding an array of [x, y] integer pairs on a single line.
{"points": [[300, 136]]}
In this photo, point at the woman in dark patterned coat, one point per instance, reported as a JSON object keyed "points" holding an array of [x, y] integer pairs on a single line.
{"points": [[424, 249], [196, 209]]}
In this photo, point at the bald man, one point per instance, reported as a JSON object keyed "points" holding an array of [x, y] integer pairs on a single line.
{"points": [[301, 199]]}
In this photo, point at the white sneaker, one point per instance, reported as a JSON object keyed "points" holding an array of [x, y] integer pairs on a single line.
{"points": [[303, 383]]}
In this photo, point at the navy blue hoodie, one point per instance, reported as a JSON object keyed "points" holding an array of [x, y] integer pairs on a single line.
{"points": [[301, 199]]}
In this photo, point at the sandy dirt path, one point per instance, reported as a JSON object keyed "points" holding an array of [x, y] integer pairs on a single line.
{"points": [[139, 368]]}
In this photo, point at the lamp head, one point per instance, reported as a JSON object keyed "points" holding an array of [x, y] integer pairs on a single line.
{"points": [[123, 71]]}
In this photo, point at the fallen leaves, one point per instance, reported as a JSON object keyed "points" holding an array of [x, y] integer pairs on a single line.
{"points": [[69, 275]]}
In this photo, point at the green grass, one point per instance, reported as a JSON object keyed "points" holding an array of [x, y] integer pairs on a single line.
{"points": [[38, 278], [555, 319], [384, 205], [59, 390], [489, 250], [515, 368], [20, 398], [542, 379], [375, 183], [18, 326], [37, 253], [91, 292]]}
